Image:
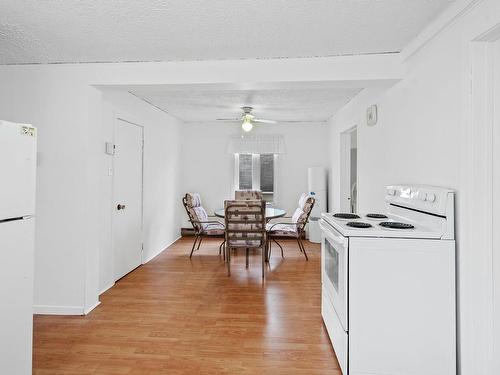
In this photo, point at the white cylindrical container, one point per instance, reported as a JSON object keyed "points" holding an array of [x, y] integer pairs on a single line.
{"points": [[317, 186], [314, 230], [316, 178]]}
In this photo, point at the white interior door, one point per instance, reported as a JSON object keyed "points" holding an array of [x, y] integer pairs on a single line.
{"points": [[127, 197]]}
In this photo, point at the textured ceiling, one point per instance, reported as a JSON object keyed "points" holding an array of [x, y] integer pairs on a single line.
{"points": [[43, 31], [284, 105]]}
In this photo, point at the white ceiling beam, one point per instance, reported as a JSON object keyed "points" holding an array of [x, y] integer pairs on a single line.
{"points": [[341, 71]]}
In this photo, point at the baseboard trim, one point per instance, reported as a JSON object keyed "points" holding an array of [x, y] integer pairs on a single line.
{"points": [[105, 289], [58, 310], [161, 250], [89, 309]]}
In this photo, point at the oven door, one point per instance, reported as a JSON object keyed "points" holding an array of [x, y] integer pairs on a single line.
{"points": [[334, 261]]}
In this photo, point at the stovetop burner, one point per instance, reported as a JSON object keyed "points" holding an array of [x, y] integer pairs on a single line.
{"points": [[358, 224], [376, 216], [345, 216], [396, 225]]}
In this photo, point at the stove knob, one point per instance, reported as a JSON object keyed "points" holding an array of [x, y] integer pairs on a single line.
{"points": [[431, 197], [422, 196]]}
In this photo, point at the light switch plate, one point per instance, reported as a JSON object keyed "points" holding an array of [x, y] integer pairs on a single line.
{"points": [[110, 148], [371, 115]]}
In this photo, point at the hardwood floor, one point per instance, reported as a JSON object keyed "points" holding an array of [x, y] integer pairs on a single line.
{"points": [[180, 316]]}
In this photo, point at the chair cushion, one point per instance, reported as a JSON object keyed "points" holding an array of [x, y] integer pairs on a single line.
{"points": [[242, 195], [306, 202], [193, 199], [299, 215], [201, 214], [244, 243], [282, 229], [302, 199], [243, 226], [213, 229], [245, 223], [245, 235]]}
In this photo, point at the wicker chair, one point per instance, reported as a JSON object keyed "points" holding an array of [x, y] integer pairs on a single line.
{"points": [[199, 219], [245, 195], [245, 228], [295, 229]]}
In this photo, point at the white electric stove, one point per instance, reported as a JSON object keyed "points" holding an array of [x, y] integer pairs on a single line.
{"points": [[388, 284]]}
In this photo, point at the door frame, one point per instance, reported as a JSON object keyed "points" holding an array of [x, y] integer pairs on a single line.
{"points": [[118, 118], [345, 170], [496, 214], [479, 268]]}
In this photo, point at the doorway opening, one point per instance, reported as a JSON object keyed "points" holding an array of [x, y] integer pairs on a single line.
{"points": [[349, 170], [496, 203], [479, 273]]}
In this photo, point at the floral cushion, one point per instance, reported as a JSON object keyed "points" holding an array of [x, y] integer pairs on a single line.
{"points": [[245, 223], [306, 202], [282, 229], [248, 235], [299, 218], [213, 229], [245, 243], [298, 215], [242, 195], [201, 214], [193, 218], [193, 199]]}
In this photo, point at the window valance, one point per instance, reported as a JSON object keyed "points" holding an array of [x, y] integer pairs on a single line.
{"points": [[256, 144]]}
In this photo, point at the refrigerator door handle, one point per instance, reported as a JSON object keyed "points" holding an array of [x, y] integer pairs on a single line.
{"points": [[11, 219]]}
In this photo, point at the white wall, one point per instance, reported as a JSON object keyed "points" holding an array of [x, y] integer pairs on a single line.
{"points": [[208, 168], [419, 138]]}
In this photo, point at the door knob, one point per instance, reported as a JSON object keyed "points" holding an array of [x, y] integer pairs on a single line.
{"points": [[120, 207]]}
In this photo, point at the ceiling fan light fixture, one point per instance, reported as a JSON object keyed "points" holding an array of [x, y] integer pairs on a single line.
{"points": [[247, 124]]}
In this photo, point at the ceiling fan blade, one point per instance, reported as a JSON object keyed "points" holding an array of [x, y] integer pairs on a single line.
{"points": [[264, 121], [300, 121], [227, 119]]}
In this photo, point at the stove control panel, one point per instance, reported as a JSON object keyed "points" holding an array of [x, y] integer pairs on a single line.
{"points": [[429, 199]]}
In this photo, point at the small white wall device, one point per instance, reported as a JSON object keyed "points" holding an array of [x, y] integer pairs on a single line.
{"points": [[371, 115]]}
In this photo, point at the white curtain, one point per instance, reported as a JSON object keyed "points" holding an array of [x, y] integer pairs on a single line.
{"points": [[256, 144]]}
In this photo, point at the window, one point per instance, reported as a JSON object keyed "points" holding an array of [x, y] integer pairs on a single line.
{"points": [[256, 172], [245, 172], [267, 173]]}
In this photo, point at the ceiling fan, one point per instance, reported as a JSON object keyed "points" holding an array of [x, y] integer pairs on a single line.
{"points": [[247, 119]]}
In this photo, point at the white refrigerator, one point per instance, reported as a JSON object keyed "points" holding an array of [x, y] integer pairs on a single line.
{"points": [[17, 227]]}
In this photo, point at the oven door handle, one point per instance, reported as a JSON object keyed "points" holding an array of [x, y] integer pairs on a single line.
{"points": [[329, 232]]}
